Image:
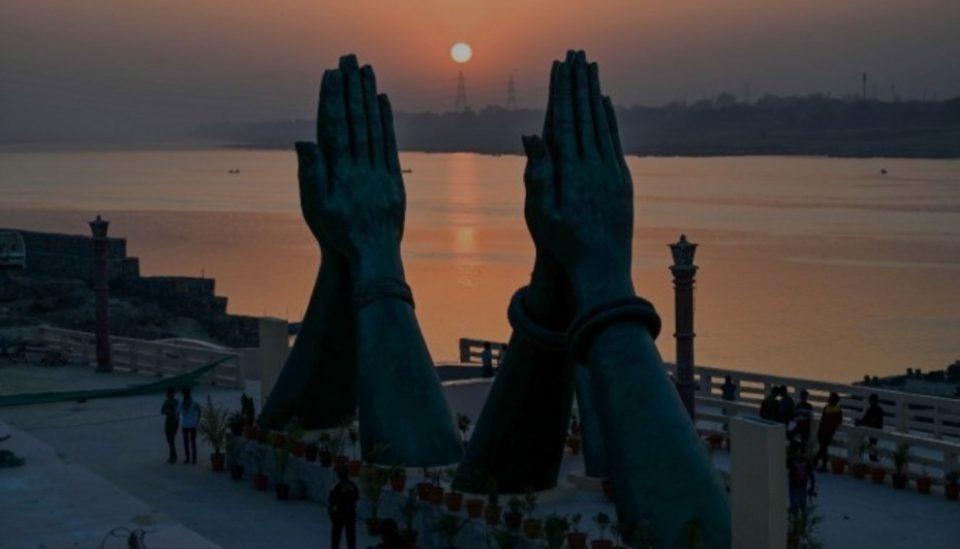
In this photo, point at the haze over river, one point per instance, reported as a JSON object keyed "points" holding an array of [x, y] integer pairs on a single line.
{"points": [[810, 267]]}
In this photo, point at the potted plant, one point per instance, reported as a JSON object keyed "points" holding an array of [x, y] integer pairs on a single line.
{"points": [[837, 465], [326, 450], [434, 488], [602, 520], [463, 423], [354, 464], [514, 517], [901, 457], [449, 527], [248, 412], [281, 458], [532, 526], [801, 529], [607, 486], [924, 482], [371, 484], [258, 454], [311, 451], [877, 474], [575, 538], [235, 422], [555, 530], [474, 508], [492, 511], [423, 487], [398, 478], [952, 488], [506, 539], [213, 428], [453, 499], [408, 510], [617, 534], [860, 469]]}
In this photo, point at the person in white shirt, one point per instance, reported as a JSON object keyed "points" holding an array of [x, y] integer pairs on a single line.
{"points": [[189, 412]]}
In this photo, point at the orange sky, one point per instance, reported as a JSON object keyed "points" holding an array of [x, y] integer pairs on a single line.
{"points": [[69, 65]]}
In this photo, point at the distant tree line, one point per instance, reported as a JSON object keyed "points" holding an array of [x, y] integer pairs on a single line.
{"points": [[808, 125]]}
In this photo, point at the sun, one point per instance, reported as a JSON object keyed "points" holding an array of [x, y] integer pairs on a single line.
{"points": [[461, 52]]}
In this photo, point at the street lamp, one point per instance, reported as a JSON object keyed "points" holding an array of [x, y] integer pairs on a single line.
{"points": [[684, 273], [101, 288]]}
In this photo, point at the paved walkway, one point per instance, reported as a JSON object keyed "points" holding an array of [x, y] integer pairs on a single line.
{"points": [[121, 440]]}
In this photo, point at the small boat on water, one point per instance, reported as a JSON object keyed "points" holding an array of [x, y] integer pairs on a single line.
{"points": [[233, 171], [406, 170]]}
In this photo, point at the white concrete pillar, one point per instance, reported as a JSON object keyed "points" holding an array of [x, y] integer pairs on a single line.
{"points": [[274, 346], [758, 483]]}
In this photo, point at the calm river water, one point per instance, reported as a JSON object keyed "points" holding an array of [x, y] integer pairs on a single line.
{"points": [[808, 266]]}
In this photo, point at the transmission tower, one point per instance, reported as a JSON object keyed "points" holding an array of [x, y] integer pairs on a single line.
{"points": [[460, 103], [511, 95]]}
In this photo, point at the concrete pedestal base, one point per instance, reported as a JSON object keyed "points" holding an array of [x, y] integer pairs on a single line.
{"points": [[758, 497]]}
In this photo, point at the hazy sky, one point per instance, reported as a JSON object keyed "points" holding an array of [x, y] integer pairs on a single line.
{"points": [[110, 68]]}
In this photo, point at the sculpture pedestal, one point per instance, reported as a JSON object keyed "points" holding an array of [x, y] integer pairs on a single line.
{"points": [[758, 483]]}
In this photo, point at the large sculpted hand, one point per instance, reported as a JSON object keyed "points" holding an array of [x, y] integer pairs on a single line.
{"points": [[351, 179], [579, 201]]}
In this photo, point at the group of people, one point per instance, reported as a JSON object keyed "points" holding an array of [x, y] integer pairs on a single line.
{"points": [[173, 412]]}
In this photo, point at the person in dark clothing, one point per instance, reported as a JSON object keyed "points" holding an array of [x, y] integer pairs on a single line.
{"points": [[729, 389], [486, 358], [342, 507], [802, 416], [786, 406], [802, 483], [390, 537], [830, 420], [171, 421], [872, 418], [770, 407]]}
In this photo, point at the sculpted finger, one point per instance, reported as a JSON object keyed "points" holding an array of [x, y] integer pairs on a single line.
{"points": [[333, 134], [599, 110], [615, 137], [551, 100], [586, 134], [356, 116], [312, 177], [390, 151], [538, 175], [374, 119], [564, 127]]}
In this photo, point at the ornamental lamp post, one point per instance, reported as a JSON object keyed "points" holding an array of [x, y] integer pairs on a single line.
{"points": [[684, 273], [101, 289]]}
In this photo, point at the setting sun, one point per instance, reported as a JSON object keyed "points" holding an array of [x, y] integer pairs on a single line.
{"points": [[461, 52]]}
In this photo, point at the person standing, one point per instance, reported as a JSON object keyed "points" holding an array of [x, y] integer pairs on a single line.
{"points": [[190, 415], [486, 357], [786, 406], [802, 483], [872, 418], [729, 389], [830, 420], [342, 507], [770, 407], [802, 416], [171, 421]]}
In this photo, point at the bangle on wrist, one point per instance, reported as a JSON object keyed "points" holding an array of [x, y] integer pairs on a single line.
{"points": [[522, 324], [592, 321], [381, 288]]}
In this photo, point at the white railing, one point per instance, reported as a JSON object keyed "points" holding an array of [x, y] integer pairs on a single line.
{"points": [[927, 457], [143, 357], [906, 413]]}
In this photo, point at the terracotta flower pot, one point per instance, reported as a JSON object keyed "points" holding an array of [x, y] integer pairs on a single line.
{"points": [[423, 491], [607, 485], [715, 440], [837, 465], [532, 528], [859, 470], [435, 494], [952, 491], [923, 485], [354, 465], [475, 508], [513, 520], [218, 462], [601, 544], [577, 540], [492, 514], [899, 481], [236, 472], [877, 475], [453, 501], [299, 449], [311, 452], [373, 526], [283, 491], [260, 483], [398, 481]]}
